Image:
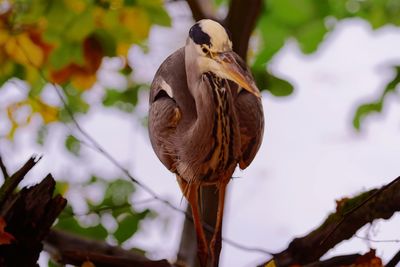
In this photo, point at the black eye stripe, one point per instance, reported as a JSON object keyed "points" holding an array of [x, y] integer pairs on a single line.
{"points": [[198, 36]]}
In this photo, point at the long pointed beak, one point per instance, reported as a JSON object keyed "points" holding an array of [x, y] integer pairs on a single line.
{"points": [[236, 73]]}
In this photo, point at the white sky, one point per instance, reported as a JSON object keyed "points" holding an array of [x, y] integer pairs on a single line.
{"points": [[310, 155]]}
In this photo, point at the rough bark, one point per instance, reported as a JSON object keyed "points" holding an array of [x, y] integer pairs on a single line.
{"points": [[67, 248], [29, 215]]}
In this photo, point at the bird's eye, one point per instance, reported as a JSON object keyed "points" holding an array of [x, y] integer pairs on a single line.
{"points": [[205, 50]]}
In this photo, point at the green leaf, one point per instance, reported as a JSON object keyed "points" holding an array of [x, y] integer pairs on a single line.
{"points": [[51, 263], [70, 224], [42, 134], [107, 41], [61, 188], [120, 99], [128, 225], [73, 145], [290, 12], [310, 35], [276, 86], [118, 192], [159, 16], [279, 87], [273, 36], [376, 106], [81, 26], [65, 54], [363, 111]]}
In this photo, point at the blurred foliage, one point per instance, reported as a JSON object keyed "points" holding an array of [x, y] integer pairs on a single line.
{"points": [[64, 42], [114, 206], [308, 21]]}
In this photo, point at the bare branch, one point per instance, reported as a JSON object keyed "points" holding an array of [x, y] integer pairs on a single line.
{"points": [[241, 21], [201, 9], [394, 261], [72, 249], [350, 216], [3, 169]]}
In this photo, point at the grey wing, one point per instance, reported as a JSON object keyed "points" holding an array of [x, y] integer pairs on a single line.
{"points": [[164, 115], [251, 122]]}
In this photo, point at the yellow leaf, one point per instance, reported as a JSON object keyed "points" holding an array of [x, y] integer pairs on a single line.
{"points": [[48, 113], [12, 110], [24, 51], [83, 81], [136, 20], [271, 263], [123, 49], [4, 36], [78, 6]]}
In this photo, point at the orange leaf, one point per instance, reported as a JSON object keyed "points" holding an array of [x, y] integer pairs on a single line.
{"points": [[82, 77], [368, 260], [88, 264], [340, 203], [5, 238]]}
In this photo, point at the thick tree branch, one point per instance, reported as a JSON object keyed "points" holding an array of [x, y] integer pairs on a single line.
{"points": [[201, 9], [351, 215], [67, 248], [241, 21]]}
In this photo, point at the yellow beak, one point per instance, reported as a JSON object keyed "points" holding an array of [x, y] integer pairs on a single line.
{"points": [[236, 73]]}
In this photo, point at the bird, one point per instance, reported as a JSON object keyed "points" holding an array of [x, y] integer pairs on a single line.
{"points": [[205, 119]]}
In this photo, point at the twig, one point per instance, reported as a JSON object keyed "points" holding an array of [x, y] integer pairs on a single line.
{"points": [[394, 261], [3, 169], [378, 241]]}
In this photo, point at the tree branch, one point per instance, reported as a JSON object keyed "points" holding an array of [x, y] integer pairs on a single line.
{"points": [[68, 248], [241, 21], [394, 261], [351, 215], [201, 9]]}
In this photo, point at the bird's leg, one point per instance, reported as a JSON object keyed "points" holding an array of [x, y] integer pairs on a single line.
{"points": [[192, 195], [216, 241]]}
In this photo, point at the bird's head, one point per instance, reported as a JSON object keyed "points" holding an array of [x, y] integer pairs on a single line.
{"points": [[210, 48]]}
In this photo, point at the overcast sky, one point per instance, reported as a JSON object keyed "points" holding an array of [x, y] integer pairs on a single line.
{"points": [[310, 156]]}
